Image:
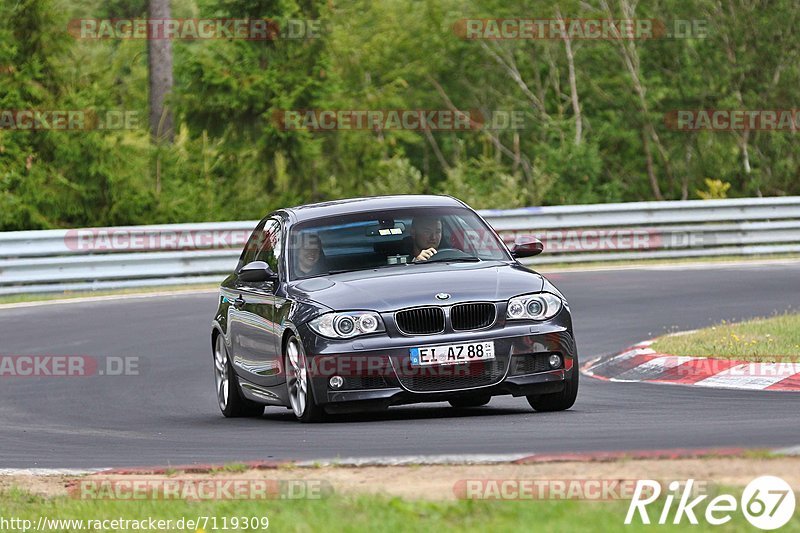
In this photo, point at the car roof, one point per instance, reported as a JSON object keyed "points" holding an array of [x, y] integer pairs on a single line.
{"points": [[359, 205]]}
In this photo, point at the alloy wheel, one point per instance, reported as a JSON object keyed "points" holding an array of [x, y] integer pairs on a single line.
{"points": [[221, 376], [296, 378]]}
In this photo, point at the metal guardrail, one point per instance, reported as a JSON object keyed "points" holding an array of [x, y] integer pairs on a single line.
{"points": [[120, 257]]}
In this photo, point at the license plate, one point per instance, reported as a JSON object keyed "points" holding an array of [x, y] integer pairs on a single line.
{"points": [[452, 354]]}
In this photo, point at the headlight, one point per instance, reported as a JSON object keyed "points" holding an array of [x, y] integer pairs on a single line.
{"points": [[542, 306], [347, 325]]}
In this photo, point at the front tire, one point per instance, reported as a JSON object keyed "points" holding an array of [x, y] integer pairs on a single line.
{"points": [[229, 398], [301, 393], [558, 401]]}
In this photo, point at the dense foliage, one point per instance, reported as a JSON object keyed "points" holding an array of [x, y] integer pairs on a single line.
{"points": [[594, 126]]}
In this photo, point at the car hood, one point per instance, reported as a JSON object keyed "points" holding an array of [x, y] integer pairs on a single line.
{"points": [[415, 285]]}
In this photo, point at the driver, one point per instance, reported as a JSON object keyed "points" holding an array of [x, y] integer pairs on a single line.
{"points": [[310, 258], [426, 233]]}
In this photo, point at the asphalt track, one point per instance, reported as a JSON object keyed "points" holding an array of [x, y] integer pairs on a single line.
{"points": [[167, 415]]}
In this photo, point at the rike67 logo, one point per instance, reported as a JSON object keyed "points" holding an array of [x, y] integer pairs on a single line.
{"points": [[768, 502]]}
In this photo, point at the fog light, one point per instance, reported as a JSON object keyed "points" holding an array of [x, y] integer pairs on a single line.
{"points": [[555, 361], [336, 382]]}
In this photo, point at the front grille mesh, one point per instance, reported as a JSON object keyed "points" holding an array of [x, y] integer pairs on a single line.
{"points": [[451, 377], [420, 321], [472, 316], [530, 363], [365, 382]]}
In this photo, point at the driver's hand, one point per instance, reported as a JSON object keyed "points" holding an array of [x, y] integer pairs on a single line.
{"points": [[424, 255]]}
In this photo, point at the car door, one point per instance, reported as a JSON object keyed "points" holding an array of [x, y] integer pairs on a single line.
{"points": [[252, 321]]}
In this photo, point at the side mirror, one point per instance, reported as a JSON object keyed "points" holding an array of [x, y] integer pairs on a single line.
{"points": [[526, 247], [257, 271]]}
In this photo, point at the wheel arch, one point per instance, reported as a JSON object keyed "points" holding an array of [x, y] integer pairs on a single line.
{"points": [[216, 331], [288, 331]]}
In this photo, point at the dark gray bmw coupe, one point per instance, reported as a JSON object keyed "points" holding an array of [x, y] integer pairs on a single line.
{"points": [[365, 303]]}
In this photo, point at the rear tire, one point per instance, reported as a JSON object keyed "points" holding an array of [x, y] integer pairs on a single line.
{"points": [[464, 403], [558, 401], [229, 396]]}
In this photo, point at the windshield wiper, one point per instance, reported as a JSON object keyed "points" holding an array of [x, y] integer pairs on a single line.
{"points": [[468, 259], [346, 270]]}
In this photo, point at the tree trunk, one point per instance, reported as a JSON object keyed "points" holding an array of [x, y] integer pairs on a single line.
{"points": [[651, 173], [160, 71], [573, 85]]}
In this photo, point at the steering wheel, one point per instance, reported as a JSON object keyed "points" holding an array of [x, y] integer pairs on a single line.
{"points": [[449, 253]]}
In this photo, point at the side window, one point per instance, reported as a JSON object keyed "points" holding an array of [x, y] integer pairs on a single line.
{"points": [[270, 249], [253, 245]]}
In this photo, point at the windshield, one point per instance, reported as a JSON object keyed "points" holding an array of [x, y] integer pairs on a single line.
{"points": [[393, 238]]}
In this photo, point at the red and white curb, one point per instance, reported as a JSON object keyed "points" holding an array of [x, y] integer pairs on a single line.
{"points": [[642, 363], [411, 460]]}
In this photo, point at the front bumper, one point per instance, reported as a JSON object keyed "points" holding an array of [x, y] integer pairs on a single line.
{"points": [[378, 399], [377, 372]]}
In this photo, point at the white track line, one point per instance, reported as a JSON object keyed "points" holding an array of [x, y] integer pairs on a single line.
{"points": [[110, 297], [792, 450], [710, 265], [49, 471]]}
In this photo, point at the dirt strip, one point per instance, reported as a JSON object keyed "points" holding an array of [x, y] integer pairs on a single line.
{"points": [[438, 482]]}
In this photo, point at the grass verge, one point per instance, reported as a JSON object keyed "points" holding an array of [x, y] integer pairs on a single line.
{"points": [[774, 339], [363, 513]]}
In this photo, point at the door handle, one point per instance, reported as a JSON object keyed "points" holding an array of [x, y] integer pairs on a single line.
{"points": [[239, 302]]}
